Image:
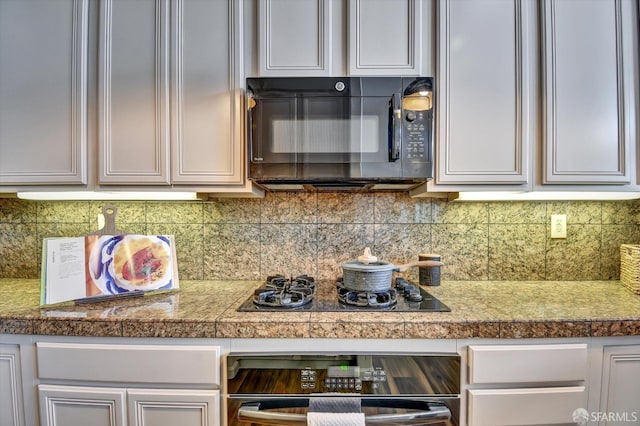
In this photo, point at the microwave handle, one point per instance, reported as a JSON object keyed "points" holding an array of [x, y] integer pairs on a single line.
{"points": [[395, 136], [250, 412], [249, 128]]}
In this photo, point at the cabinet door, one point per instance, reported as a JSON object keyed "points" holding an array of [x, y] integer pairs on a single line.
{"points": [[170, 407], [484, 110], [385, 37], [620, 392], [81, 405], [43, 92], [584, 98], [206, 103], [525, 406], [294, 37], [133, 91], [544, 363], [11, 402]]}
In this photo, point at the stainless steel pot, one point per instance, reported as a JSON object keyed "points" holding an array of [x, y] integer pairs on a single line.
{"points": [[377, 275]]}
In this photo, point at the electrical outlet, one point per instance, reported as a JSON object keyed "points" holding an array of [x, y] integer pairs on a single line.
{"points": [[558, 226]]}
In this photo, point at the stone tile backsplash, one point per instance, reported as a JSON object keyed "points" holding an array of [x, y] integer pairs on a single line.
{"points": [[294, 233]]}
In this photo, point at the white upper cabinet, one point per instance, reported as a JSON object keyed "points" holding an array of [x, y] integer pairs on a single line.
{"points": [[169, 110], [536, 95], [115, 93], [485, 92], [207, 145], [43, 92], [385, 37], [308, 37], [134, 92], [294, 37], [588, 103]]}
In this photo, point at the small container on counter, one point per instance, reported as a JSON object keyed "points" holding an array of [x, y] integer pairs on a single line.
{"points": [[429, 275]]}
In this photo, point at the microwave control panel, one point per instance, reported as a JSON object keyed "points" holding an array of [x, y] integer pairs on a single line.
{"points": [[417, 129]]}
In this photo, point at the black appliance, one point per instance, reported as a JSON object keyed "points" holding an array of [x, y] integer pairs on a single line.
{"points": [[280, 293], [388, 389], [331, 133]]}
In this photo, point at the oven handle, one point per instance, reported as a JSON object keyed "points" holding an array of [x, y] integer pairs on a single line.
{"points": [[431, 412]]}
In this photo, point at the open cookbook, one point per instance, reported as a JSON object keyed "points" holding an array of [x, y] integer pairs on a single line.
{"points": [[97, 267]]}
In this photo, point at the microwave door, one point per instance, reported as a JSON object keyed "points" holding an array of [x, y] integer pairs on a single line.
{"points": [[325, 131], [272, 129], [349, 130], [332, 137]]}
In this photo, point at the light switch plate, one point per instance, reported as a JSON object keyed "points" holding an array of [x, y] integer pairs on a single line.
{"points": [[558, 226]]}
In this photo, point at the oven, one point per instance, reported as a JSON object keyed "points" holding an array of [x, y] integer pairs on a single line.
{"points": [[352, 388]]}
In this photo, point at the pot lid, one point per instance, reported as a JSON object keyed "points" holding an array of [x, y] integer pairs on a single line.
{"points": [[379, 266]]}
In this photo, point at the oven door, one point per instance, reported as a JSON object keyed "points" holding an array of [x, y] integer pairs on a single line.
{"points": [[289, 410]]}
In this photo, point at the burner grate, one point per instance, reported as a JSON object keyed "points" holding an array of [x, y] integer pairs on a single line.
{"points": [[370, 299], [379, 299], [281, 292]]}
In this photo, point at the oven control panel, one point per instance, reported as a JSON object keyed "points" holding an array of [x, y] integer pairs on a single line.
{"points": [[343, 378], [361, 373]]}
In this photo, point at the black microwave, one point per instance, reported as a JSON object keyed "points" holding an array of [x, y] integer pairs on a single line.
{"points": [[332, 133]]}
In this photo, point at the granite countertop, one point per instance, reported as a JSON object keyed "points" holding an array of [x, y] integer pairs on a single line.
{"points": [[207, 309]]}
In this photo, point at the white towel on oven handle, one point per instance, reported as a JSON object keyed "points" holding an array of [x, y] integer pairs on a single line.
{"points": [[335, 419], [335, 402]]}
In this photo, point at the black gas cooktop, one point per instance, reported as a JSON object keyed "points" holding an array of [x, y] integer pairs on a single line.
{"points": [[303, 293]]}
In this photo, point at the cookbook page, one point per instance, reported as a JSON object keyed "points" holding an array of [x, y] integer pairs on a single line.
{"points": [[63, 270], [107, 265]]}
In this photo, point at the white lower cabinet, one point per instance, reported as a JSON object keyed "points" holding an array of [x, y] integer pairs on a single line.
{"points": [[525, 406], [74, 405], [128, 384], [620, 389], [526, 384], [11, 403], [173, 407]]}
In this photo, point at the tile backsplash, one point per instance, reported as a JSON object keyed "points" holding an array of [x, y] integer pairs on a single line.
{"points": [[293, 233]]}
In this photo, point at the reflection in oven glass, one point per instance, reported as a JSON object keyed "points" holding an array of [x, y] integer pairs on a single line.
{"points": [[408, 389]]}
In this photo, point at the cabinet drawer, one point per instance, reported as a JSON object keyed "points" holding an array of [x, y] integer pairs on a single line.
{"points": [[129, 363], [531, 406], [527, 363]]}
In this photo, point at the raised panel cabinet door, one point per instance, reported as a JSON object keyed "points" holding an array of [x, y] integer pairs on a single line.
{"points": [[43, 92], [584, 102], [485, 93], [294, 37], [81, 406], [11, 402], [170, 407], [620, 392], [385, 37], [206, 102], [133, 92]]}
